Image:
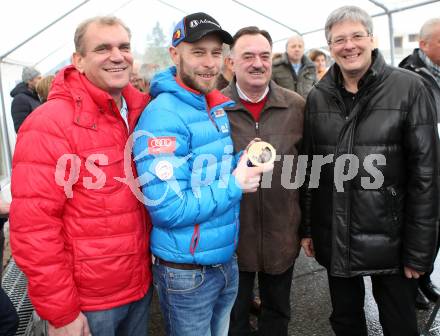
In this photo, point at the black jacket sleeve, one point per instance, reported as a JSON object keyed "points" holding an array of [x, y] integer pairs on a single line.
{"points": [[421, 209], [20, 109]]}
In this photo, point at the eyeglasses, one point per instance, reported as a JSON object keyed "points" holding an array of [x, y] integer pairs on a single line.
{"points": [[355, 38]]}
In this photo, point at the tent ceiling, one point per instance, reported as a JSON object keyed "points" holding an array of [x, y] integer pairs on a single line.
{"points": [[23, 18]]}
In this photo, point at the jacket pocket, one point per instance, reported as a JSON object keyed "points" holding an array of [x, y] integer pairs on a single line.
{"points": [[393, 198], [106, 265], [183, 281]]}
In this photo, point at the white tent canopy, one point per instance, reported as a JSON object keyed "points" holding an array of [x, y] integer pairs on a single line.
{"points": [[50, 47]]}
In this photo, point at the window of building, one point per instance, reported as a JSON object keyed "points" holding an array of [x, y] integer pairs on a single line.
{"points": [[413, 37], [398, 41]]}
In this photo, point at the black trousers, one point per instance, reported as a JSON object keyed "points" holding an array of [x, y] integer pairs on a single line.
{"points": [[8, 316], [395, 297], [2, 245], [275, 303]]}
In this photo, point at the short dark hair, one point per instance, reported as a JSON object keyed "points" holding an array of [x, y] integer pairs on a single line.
{"points": [[251, 30], [315, 53]]}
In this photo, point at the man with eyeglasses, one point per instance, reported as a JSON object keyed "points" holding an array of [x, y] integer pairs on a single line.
{"points": [[378, 217]]}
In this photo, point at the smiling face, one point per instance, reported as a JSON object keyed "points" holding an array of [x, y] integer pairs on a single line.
{"points": [[353, 54], [106, 59], [198, 64], [252, 62]]}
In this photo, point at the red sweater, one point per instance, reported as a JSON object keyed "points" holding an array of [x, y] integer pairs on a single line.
{"points": [[254, 108]]}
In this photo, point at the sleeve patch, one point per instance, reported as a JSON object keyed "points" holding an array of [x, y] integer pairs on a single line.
{"points": [[162, 145]]}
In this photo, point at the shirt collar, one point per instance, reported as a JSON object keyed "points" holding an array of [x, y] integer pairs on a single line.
{"points": [[243, 96], [124, 110]]}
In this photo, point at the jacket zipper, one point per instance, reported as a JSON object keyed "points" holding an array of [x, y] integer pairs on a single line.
{"points": [[211, 118], [260, 206], [195, 239]]}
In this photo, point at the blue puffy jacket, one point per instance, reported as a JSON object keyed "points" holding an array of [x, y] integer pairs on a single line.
{"points": [[184, 158]]}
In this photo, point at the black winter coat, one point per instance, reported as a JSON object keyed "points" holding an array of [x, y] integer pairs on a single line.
{"points": [[24, 102], [415, 64], [367, 229]]}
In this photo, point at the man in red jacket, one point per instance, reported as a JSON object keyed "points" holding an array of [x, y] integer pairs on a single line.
{"points": [[77, 230]]}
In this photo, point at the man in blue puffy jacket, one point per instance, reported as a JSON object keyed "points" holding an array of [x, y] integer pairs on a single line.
{"points": [[186, 165]]}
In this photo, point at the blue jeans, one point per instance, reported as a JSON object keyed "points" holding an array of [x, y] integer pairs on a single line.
{"points": [[197, 302], [130, 319]]}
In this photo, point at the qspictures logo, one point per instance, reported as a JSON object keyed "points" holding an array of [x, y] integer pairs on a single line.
{"points": [[159, 153]]}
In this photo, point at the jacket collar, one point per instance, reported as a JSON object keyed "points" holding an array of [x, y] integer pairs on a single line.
{"points": [[89, 100], [275, 98], [377, 72], [165, 82]]}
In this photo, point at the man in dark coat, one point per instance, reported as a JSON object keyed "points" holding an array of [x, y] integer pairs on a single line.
{"points": [[269, 219], [293, 70], [25, 97], [426, 62], [371, 198]]}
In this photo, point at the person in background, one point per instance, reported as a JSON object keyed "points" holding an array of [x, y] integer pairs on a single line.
{"points": [[320, 59], [294, 70], [43, 87], [226, 74], [25, 97], [371, 207], [193, 184], [269, 219], [425, 61], [77, 229], [141, 76]]}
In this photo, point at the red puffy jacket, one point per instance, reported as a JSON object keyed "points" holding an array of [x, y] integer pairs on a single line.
{"points": [[88, 249]]}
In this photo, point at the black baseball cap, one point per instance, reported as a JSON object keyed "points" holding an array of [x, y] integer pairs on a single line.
{"points": [[195, 26]]}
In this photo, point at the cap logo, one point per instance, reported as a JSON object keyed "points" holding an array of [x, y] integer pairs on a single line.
{"points": [[195, 23], [177, 34]]}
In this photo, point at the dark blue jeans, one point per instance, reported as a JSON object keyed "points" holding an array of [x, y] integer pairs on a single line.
{"points": [[127, 320], [8, 316], [197, 302]]}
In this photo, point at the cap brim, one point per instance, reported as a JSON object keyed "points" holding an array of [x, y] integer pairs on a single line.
{"points": [[223, 34]]}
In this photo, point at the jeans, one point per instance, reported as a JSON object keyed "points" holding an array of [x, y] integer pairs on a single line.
{"points": [[275, 304], [130, 319], [197, 302], [395, 296]]}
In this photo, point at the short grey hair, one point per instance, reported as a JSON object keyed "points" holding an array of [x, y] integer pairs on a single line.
{"points": [[147, 72], [100, 20], [294, 37], [426, 30], [348, 13]]}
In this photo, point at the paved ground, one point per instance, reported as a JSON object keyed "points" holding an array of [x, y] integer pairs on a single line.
{"points": [[311, 304]]}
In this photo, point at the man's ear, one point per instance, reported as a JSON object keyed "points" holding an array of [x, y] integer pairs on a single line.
{"points": [[422, 45], [77, 61], [174, 54]]}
